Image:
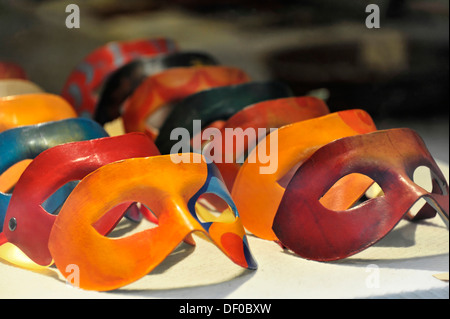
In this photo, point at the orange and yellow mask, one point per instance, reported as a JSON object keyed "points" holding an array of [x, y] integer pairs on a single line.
{"points": [[172, 192], [257, 195]]}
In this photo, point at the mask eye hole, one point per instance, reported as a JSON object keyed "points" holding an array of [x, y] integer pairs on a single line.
{"points": [[350, 191], [155, 121], [422, 177], [211, 208], [112, 225], [425, 178]]}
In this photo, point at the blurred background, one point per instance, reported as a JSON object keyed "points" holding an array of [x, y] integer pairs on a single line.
{"points": [[399, 73]]}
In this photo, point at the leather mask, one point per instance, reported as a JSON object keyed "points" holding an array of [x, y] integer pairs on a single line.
{"points": [[122, 82], [258, 192], [171, 191], [157, 92], [51, 170], [390, 158], [85, 81]]}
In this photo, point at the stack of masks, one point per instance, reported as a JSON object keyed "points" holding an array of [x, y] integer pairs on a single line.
{"points": [[196, 147]]}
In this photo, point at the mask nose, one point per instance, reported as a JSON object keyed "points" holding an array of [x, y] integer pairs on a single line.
{"points": [[30, 238], [436, 202], [232, 240], [238, 250]]}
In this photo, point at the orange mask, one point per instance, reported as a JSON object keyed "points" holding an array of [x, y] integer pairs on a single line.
{"points": [[121, 83], [171, 191], [28, 109], [170, 86], [264, 115], [257, 195]]}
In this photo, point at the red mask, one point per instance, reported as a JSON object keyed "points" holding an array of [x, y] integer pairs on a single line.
{"points": [[87, 78], [27, 223], [9, 70], [264, 115], [388, 157]]}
